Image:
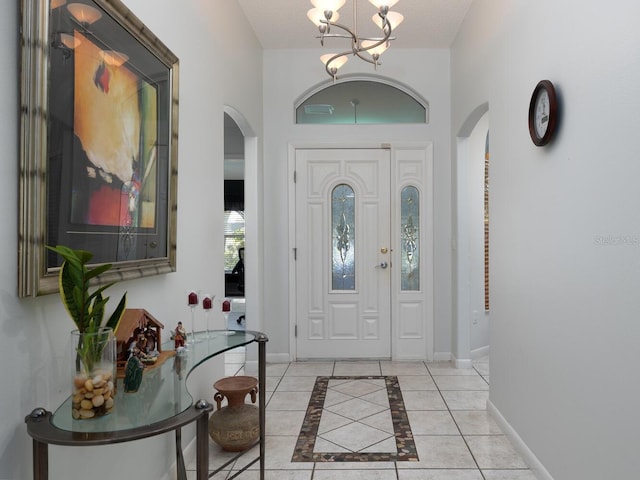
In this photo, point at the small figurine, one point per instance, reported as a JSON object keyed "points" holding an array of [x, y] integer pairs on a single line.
{"points": [[141, 345], [179, 336], [133, 374]]}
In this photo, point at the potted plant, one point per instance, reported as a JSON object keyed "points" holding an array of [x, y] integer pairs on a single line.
{"points": [[93, 340]]}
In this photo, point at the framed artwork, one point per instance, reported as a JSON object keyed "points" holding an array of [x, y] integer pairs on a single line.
{"points": [[98, 142]]}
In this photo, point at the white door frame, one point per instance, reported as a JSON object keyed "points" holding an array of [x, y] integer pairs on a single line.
{"points": [[412, 335]]}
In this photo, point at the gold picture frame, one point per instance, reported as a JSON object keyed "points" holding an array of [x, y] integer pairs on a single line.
{"points": [[98, 142]]}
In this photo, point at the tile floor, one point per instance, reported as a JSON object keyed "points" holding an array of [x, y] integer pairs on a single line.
{"points": [[453, 436]]}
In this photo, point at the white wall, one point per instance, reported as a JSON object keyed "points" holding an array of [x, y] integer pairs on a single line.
{"points": [[565, 227], [34, 348], [287, 75]]}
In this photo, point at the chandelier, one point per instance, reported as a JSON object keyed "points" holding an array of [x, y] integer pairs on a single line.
{"points": [[325, 16]]}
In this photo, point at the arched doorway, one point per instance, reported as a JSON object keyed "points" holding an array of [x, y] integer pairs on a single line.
{"points": [[471, 302], [252, 254]]}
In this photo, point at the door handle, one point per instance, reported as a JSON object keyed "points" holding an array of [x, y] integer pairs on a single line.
{"points": [[382, 265]]}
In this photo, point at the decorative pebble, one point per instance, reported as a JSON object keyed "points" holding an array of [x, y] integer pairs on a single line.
{"points": [[78, 382], [92, 397]]}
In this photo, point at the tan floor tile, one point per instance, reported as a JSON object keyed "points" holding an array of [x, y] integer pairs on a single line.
{"points": [[440, 452], [426, 400], [494, 452], [449, 474], [466, 400], [452, 382], [509, 475], [355, 475]]}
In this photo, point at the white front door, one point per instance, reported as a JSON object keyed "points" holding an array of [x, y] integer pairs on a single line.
{"points": [[343, 253]]}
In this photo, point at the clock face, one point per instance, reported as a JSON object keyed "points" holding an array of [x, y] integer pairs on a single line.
{"points": [[543, 113]]}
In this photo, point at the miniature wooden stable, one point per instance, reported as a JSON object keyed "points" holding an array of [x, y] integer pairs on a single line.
{"points": [[136, 322]]}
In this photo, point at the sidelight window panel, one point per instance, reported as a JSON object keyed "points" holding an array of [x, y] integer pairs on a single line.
{"points": [[410, 239]]}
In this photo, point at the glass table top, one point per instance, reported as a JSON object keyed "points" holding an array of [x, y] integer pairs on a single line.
{"points": [[163, 393]]}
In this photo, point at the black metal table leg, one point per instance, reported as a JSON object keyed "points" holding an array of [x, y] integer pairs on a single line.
{"points": [[40, 460], [262, 382], [182, 471], [202, 445]]}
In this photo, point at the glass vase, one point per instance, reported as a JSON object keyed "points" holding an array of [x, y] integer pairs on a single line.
{"points": [[94, 373]]}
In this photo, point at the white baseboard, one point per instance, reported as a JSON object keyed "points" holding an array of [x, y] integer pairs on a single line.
{"points": [[278, 358], [409, 358], [442, 357], [463, 363], [252, 365], [480, 352], [535, 465]]}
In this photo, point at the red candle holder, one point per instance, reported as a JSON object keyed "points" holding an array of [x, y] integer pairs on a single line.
{"points": [[192, 301], [192, 298], [207, 305]]}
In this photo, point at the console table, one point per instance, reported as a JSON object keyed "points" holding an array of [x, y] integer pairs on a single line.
{"points": [[162, 404]]}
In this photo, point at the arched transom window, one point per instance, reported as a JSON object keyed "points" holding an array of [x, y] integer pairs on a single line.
{"points": [[362, 102]]}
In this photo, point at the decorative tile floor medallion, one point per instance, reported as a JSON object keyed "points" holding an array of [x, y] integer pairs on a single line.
{"points": [[355, 419]]}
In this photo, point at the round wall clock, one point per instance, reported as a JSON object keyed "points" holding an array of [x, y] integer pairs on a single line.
{"points": [[543, 113]]}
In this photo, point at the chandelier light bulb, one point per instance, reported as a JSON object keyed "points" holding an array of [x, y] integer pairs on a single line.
{"points": [[331, 5], [316, 15], [69, 41], [383, 3], [84, 14], [375, 51], [113, 58], [394, 19], [337, 63]]}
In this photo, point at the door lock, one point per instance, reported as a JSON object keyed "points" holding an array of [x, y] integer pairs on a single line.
{"points": [[384, 250]]}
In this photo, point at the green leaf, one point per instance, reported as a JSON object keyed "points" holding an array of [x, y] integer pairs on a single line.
{"points": [[96, 311], [76, 257], [99, 270], [116, 316], [69, 293], [101, 289]]}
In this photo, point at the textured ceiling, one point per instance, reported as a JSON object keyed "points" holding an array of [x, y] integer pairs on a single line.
{"points": [[282, 24]]}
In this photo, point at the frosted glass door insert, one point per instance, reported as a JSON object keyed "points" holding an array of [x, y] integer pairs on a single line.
{"points": [[410, 235], [343, 232]]}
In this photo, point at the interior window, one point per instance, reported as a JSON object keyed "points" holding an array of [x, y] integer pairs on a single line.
{"points": [[361, 102]]}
